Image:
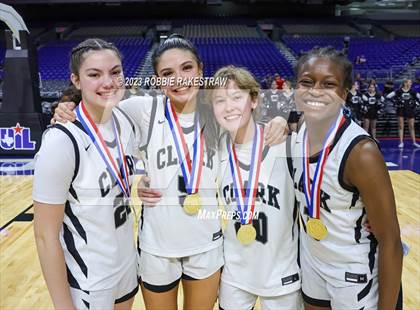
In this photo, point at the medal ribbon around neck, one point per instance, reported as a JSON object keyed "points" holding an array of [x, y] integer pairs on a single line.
{"points": [[245, 199], [313, 193], [99, 142], [191, 170]]}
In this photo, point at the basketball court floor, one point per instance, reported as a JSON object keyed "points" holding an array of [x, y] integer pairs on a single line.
{"points": [[22, 285]]}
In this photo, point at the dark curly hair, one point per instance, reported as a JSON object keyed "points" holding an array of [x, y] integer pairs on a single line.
{"points": [[335, 56]]}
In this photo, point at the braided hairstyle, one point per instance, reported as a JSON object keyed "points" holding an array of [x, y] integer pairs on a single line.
{"points": [[77, 55], [335, 56]]}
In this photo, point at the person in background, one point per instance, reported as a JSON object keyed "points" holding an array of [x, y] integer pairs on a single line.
{"points": [[405, 100], [372, 104], [354, 103]]}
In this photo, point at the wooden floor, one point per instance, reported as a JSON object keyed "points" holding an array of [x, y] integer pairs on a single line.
{"points": [[22, 285]]}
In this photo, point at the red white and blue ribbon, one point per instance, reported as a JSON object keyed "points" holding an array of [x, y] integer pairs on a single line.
{"points": [[99, 142], [245, 198], [313, 192], [191, 170]]}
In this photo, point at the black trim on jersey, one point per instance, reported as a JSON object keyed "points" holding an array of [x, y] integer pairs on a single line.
{"points": [[187, 130], [72, 192], [117, 122], [302, 222], [220, 308], [80, 126], [289, 154], [151, 124], [400, 299], [358, 228], [86, 303], [314, 158], [316, 302], [295, 217], [143, 206], [160, 288], [353, 143], [71, 247], [76, 156], [372, 252], [72, 280], [112, 144], [127, 296], [187, 277], [365, 291], [217, 235], [76, 149], [75, 221], [128, 118]]}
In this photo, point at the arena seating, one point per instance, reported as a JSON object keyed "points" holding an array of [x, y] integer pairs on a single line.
{"points": [[316, 29], [54, 57], [387, 55], [219, 31], [235, 41], [258, 55], [113, 31], [404, 30], [381, 56]]}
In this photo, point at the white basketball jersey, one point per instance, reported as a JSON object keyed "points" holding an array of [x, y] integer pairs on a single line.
{"points": [[166, 230], [97, 232], [349, 252], [268, 266]]}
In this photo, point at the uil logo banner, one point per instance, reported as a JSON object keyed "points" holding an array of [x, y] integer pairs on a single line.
{"points": [[16, 138]]}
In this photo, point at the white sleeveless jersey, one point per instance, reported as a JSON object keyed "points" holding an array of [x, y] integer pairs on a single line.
{"points": [[97, 232], [166, 230], [268, 266], [349, 252]]}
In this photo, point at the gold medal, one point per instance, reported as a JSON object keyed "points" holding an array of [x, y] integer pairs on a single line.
{"points": [[246, 234], [192, 204], [316, 229]]}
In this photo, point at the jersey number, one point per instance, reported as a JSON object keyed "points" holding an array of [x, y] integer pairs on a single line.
{"points": [[260, 225], [121, 210]]}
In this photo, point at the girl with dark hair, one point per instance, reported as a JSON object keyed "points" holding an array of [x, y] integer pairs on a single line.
{"points": [[405, 100], [83, 175], [373, 102], [340, 180], [179, 141], [354, 102]]}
